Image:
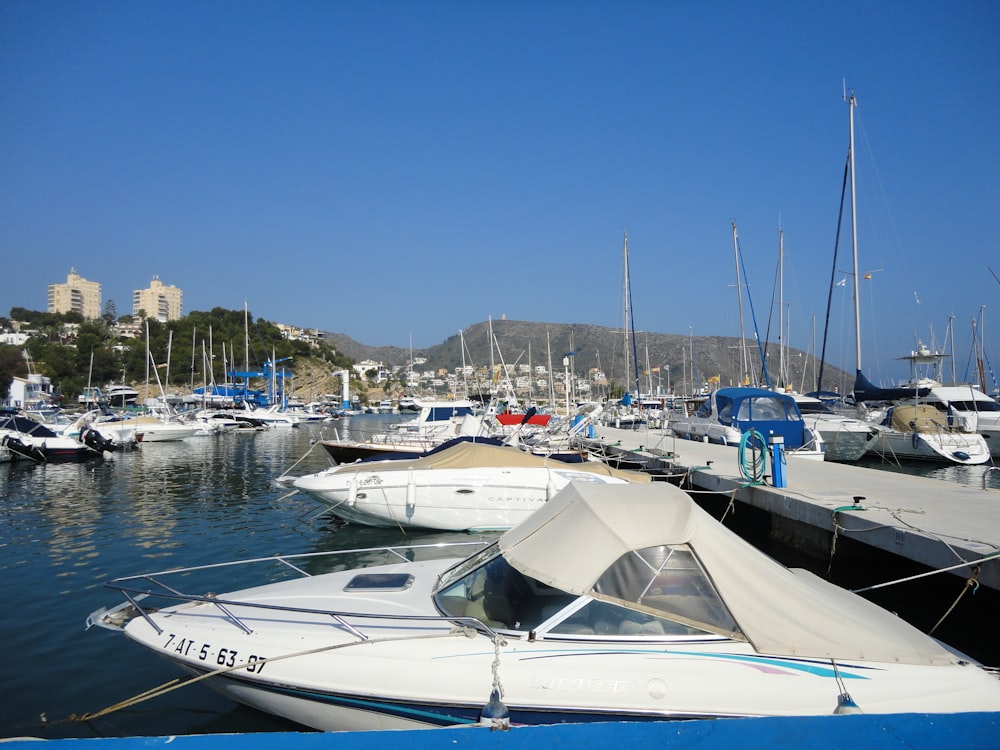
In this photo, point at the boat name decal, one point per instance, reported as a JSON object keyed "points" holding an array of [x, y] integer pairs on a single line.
{"points": [[224, 657], [583, 684]]}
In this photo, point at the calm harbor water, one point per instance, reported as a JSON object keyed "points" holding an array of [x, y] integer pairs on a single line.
{"points": [[69, 528]]}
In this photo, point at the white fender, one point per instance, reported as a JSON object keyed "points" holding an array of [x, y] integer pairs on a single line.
{"points": [[550, 486], [411, 493]]}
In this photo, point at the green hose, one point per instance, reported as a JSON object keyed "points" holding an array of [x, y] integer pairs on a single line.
{"points": [[752, 466]]}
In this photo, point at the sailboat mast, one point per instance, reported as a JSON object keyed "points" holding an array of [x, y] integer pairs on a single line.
{"points": [[739, 297], [782, 377], [852, 103], [628, 388]]}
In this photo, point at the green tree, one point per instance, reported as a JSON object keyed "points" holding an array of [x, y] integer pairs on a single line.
{"points": [[11, 364], [110, 312]]}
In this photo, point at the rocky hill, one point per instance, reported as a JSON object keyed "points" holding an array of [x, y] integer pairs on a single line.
{"points": [[523, 342]]}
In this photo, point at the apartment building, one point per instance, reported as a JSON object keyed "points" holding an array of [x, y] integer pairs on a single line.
{"points": [[76, 295], [159, 301]]}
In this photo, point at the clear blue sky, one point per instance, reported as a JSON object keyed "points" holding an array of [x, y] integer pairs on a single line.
{"points": [[392, 170]]}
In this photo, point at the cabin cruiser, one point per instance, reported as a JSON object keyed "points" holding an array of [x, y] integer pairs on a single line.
{"points": [[622, 602], [925, 419], [730, 413], [845, 438], [467, 485], [436, 422], [968, 407], [918, 431]]}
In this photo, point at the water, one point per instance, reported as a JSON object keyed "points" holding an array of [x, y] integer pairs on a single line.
{"points": [[970, 476], [69, 528]]}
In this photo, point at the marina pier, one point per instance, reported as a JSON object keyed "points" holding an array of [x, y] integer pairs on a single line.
{"points": [[930, 522]]}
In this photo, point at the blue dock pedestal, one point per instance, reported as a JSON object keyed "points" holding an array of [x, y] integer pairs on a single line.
{"points": [[777, 443]]}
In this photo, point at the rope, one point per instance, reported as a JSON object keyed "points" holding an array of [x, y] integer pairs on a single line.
{"points": [[304, 455], [970, 583], [974, 563], [497, 643], [731, 506], [753, 471]]}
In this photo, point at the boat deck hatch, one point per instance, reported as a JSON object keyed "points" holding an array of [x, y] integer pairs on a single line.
{"points": [[380, 582]]}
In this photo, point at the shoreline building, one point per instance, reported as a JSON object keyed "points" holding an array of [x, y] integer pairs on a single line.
{"points": [[160, 301], [76, 295]]}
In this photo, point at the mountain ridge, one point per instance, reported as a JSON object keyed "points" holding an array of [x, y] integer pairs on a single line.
{"points": [[663, 357]]}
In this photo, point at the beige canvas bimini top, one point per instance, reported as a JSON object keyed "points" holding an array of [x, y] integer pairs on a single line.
{"points": [[585, 528]]}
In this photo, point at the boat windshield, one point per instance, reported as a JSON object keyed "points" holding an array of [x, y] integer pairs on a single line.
{"points": [[667, 581], [655, 592], [814, 407], [767, 409], [977, 405]]}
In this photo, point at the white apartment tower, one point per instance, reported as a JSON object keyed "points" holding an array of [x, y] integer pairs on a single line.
{"points": [[76, 295], [159, 301]]}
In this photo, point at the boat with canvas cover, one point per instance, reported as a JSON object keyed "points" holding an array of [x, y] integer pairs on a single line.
{"points": [[618, 602], [730, 413], [466, 486], [919, 431]]}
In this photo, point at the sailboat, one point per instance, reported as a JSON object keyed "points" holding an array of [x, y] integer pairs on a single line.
{"points": [[624, 414], [908, 427]]}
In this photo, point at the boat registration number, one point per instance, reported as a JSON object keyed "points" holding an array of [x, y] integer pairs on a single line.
{"points": [[223, 657]]}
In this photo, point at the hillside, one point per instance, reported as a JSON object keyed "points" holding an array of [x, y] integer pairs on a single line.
{"points": [[522, 342]]}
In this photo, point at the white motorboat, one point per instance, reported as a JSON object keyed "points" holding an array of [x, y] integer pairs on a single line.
{"points": [[465, 486], [921, 432], [962, 406], [729, 413], [102, 430], [968, 407], [611, 603], [212, 421], [156, 429], [845, 438], [436, 422], [26, 438]]}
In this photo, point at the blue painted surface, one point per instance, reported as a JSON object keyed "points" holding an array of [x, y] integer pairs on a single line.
{"points": [[912, 731]]}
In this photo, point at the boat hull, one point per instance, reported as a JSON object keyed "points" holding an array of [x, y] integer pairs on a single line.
{"points": [[968, 449], [461, 500], [320, 672]]}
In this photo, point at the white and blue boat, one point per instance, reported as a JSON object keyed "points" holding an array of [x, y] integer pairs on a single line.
{"points": [[610, 603], [730, 413]]}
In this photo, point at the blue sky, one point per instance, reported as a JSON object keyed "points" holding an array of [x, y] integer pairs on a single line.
{"points": [[392, 170]]}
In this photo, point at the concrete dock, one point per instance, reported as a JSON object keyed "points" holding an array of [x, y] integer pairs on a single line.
{"points": [[938, 524]]}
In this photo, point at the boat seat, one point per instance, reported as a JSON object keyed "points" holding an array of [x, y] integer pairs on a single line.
{"points": [[478, 610]]}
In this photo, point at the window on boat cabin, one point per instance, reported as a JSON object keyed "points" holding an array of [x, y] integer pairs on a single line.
{"points": [[814, 407], [705, 410], [666, 581], [655, 592], [766, 409], [500, 596], [974, 405], [725, 409]]}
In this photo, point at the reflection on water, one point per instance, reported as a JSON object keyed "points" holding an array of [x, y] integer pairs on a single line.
{"points": [[68, 528], [970, 476]]}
